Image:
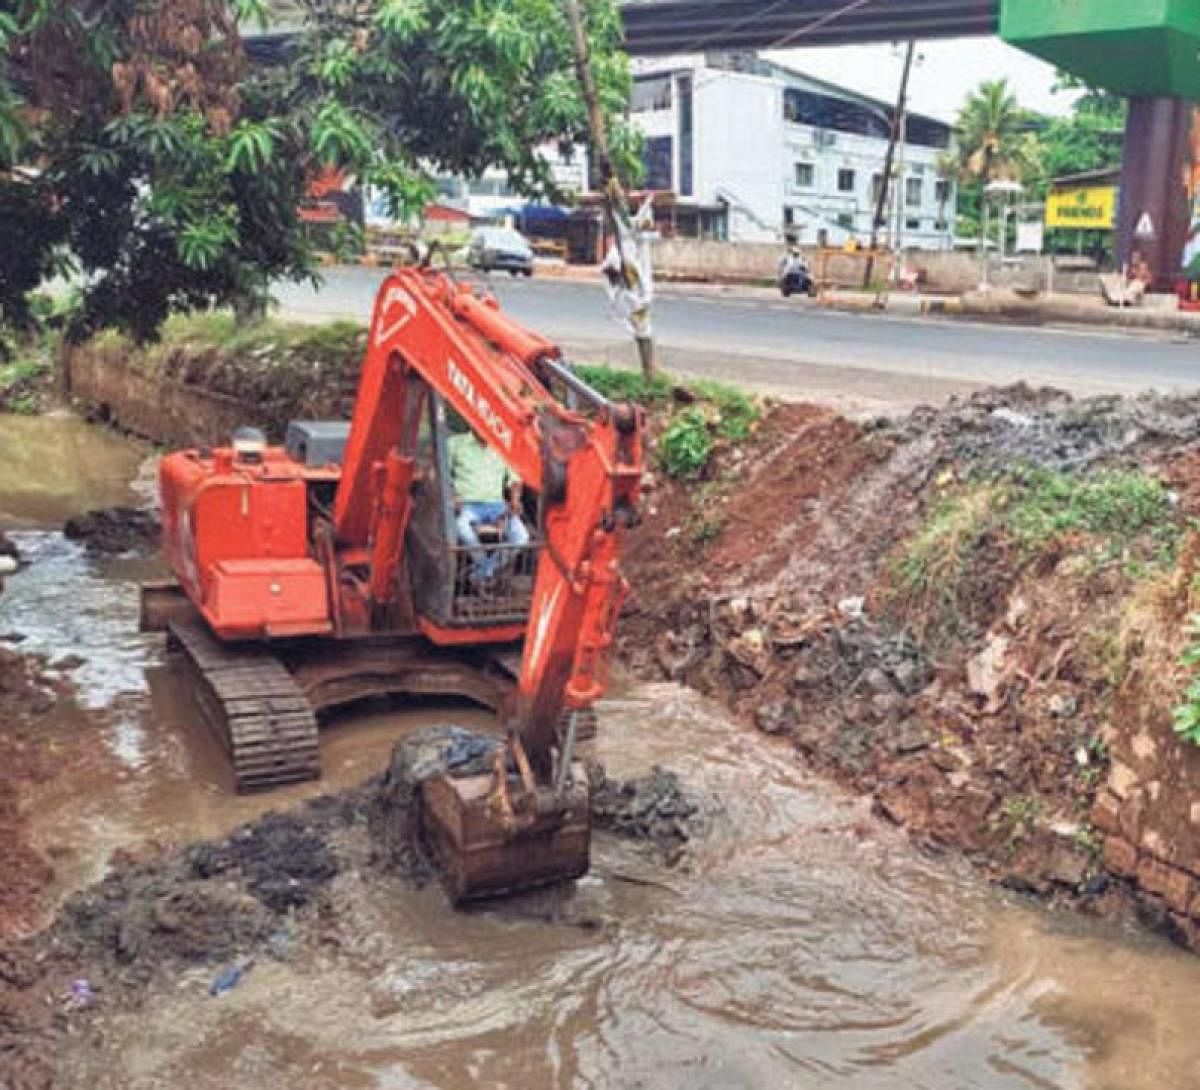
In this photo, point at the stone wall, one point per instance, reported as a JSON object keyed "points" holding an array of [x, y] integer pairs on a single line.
{"points": [[162, 410], [1149, 815]]}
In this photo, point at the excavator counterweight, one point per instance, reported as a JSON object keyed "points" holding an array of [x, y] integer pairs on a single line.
{"points": [[329, 569]]}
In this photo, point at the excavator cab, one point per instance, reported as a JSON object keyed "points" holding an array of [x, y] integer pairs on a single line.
{"points": [[443, 569]]}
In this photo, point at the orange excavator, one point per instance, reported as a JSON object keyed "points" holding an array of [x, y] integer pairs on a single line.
{"points": [[329, 569]]}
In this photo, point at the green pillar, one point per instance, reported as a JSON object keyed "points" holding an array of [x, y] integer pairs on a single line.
{"points": [[1148, 50]]}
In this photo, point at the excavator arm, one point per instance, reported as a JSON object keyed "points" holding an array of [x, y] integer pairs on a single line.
{"points": [[580, 452]]}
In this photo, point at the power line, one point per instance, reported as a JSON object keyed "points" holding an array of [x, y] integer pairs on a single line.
{"points": [[762, 13], [816, 24]]}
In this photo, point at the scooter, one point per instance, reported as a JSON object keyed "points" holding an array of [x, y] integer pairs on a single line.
{"points": [[796, 279]]}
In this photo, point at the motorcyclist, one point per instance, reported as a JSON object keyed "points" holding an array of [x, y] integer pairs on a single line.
{"points": [[793, 262]]}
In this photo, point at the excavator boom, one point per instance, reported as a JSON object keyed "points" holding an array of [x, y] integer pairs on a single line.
{"points": [[527, 822]]}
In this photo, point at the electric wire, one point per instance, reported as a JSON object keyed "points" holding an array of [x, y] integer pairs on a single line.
{"points": [[761, 13]]}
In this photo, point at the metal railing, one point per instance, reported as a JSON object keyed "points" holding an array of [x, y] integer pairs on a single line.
{"points": [[493, 583]]}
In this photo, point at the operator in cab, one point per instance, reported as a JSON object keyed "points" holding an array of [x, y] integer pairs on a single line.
{"points": [[484, 493]]}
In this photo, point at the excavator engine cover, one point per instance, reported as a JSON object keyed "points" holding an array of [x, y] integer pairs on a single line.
{"points": [[484, 851]]}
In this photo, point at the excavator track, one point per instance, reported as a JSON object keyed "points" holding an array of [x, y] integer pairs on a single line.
{"points": [[253, 704]]}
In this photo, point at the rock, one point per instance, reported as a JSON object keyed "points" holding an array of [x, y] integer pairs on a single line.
{"points": [[1031, 885], [986, 671], [806, 676], [1013, 418], [1106, 812], [852, 607], [774, 717], [1122, 780], [114, 529], [1067, 866], [876, 681], [908, 677], [1062, 706], [1120, 857], [911, 739], [886, 707], [656, 808]]}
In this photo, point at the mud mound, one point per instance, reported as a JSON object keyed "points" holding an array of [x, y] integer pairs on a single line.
{"points": [[210, 901], [994, 430], [154, 917], [114, 530], [656, 808], [281, 858]]}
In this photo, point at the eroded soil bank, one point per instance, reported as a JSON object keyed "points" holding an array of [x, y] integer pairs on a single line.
{"points": [[975, 615]]}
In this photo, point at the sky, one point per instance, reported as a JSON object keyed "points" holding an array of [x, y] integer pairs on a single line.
{"points": [[939, 83]]}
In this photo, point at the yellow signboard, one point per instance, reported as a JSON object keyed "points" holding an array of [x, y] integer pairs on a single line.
{"points": [[1092, 207]]}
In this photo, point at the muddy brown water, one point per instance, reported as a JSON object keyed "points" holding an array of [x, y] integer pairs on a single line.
{"points": [[801, 944]]}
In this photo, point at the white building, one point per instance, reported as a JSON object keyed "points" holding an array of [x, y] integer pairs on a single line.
{"points": [[492, 196], [753, 151]]}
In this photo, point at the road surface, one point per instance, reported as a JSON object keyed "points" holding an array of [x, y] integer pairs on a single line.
{"points": [[857, 362]]}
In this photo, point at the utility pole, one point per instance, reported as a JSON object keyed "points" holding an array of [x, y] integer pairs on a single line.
{"points": [[901, 181], [620, 222], [881, 201]]}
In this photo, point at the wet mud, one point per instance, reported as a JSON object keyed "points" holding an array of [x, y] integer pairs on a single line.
{"points": [[115, 530]]}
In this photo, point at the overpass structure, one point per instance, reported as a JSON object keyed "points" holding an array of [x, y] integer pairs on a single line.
{"points": [[655, 27]]}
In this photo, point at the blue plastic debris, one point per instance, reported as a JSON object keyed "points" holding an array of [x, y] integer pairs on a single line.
{"points": [[230, 978]]}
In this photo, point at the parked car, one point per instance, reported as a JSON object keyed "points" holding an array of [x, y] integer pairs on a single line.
{"points": [[500, 248]]}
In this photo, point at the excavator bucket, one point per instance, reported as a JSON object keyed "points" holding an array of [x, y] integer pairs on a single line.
{"points": [[491, 836]]}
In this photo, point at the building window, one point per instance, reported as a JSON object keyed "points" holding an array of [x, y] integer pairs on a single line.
{"points": [[805, 175], [942, 225], [941, 190], [876, 187], [845, 180], [685, 136], [653, 93], [789, 215], [657, 155], [846, 220], [913, 188], [912, 224]]}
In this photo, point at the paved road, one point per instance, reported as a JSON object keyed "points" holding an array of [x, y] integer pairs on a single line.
{"points": [[864, 362]]}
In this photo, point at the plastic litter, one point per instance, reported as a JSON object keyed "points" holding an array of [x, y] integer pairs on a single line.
{"points": [[230, 978], [79, 995]]}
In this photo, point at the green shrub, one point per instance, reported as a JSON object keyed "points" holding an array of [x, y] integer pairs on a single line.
{"points": [[1186, 714], [618, 384], [1115, 504], [736, 411], [686, 444]]}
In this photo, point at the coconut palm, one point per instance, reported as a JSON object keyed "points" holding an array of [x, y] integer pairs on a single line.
{"points": [[992, 141]]}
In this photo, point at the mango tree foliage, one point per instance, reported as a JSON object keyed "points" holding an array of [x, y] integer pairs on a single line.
{"points": [[140, 149]]}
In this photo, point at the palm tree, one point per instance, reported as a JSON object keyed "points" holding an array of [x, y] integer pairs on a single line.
{"points": [[991, 142]]}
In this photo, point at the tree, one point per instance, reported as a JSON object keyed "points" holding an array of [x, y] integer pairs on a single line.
{"points": [[992, 136], [137, 144]]}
